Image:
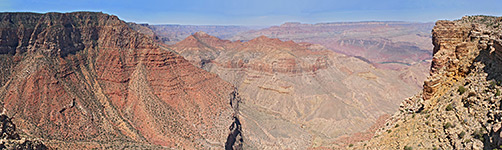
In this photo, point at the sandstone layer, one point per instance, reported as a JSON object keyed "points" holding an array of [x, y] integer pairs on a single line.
{"points": [[460, 106], [297, 95], [88, 80]]}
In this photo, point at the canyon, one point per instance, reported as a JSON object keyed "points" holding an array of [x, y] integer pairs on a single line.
{"points": [[88, 80], [379, 42], [298, 95], [389, 45]]}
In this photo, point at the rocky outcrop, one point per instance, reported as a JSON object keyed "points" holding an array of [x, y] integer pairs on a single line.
{"points": [[297, 95], [88, 80], [459, 107], [10, 139]]}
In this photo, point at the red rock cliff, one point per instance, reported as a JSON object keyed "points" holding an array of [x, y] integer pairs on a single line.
{"points": [[89, 77]]}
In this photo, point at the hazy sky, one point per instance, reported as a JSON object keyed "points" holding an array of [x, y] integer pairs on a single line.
{"points": [[265, 12]]}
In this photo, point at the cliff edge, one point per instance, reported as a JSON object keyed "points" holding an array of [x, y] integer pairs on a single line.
{"points": [[460, 106]]}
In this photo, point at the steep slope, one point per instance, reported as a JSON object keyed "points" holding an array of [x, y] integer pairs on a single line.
{"points": [[88, 80], [460, 106], [297, 95]]}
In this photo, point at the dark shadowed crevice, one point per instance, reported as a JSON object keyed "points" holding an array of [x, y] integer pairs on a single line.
{"points": [[234, 139]]}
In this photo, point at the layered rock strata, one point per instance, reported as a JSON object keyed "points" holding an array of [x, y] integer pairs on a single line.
{"points": [[297, 95], [88, 80], [460, 105]]}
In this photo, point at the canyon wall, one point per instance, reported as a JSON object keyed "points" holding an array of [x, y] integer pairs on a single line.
{"points": [[460, 106], [88, 80]]}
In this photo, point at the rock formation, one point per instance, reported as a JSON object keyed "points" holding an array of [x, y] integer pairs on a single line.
{"points": [[88, 80], [460, 106], [297, 95], [10, 139]]}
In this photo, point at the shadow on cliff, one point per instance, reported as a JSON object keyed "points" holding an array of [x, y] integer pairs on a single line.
{"points": [[492, 62], [493, 67]]}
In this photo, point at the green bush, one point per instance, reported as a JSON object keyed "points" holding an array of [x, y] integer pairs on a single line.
{"points": [[497, 93], [461, 89], [449, 107], [408, 148], [462, 134], [447, 125], [478, 134], [350, 145]]}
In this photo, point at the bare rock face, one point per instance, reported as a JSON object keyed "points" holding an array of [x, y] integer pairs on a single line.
{"points": [[460, 106], [297, 95], [89, 77], [10, 139]]}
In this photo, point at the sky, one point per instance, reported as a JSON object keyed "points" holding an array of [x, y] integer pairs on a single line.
{"points": [[264, 12]]}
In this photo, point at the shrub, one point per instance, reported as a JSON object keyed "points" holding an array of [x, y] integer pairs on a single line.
{"points": [[497, 93], [462, 134], [467, 140], [461, 89], [447, 125], [408, 148], [478, 134], [350, 145], [449, 107]]}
